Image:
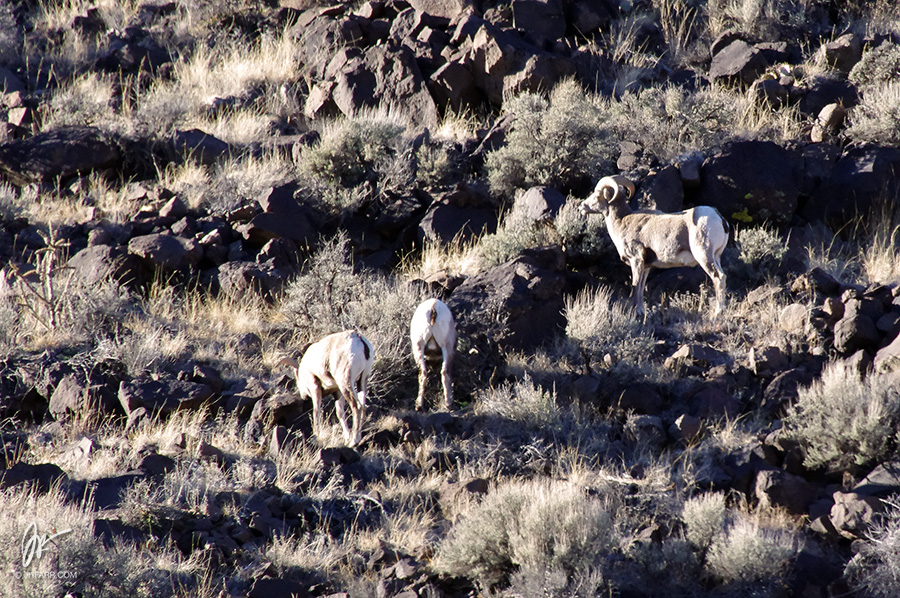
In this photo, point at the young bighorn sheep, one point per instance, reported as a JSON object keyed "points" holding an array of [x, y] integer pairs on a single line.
{"points": [[648, 239], [341, 364], [432, 332]]}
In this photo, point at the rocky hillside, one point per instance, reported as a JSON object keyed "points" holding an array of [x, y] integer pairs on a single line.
{"points": [[192, 191]]}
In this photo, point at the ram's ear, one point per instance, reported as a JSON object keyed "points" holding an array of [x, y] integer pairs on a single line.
{"points": [[289, 361], [608, 193]]}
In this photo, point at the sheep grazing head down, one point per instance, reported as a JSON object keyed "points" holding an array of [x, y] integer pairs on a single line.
{"points": [[339, 364]]}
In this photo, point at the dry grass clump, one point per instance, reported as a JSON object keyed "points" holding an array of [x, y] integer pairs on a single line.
{"points": [[598, 323], [876, 118], [543, 527], [875, 568], [879, 254], [229, 71], [76, 561], [457, 258], [843, 422]]}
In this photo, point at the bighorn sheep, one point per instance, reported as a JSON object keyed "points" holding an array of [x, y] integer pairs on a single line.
{"points": [[339, 363], [432, 332], [648, 239]]}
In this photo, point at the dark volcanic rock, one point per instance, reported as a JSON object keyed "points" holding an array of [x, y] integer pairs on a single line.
{"points": [[165, 252], [857, 182], [42, 476], [528, 293], [754, 181], [386, 75], [459, 213], [62, 152], [164, 395], [198, 145], [101, 262], [738, 61]]}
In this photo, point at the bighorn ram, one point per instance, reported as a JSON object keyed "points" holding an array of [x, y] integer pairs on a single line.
{"points": [[340, 363], [648, 239], [432, 332]]}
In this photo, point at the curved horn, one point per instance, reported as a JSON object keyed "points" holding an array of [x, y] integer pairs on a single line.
{"points": [[614, 183]]}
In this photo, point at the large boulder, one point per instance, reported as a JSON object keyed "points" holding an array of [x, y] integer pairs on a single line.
{"points": [[102, 262], [198, 145], [62, 152], [822, 90], [460, 213], [322, 30], [862, 177], [503, 64], [237, 278], [453, 86], [166, 253], [752, 181], [539, 203], [283, 217], [386, 75], [738, 62], [528, 290], [445, 9], [163, 396], [540, 18]]}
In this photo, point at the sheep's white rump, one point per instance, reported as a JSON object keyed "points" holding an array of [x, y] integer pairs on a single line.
{"points": [[432, 333]]}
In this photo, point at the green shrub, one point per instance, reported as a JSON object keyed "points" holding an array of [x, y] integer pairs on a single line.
{"points": [[842, 421], [875, 568], [878, 66], [759, 253], [557, 142], [368, 149], [580, 234], [516, 232], [535, 526]]}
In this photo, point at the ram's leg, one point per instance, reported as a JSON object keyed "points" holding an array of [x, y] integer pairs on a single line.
{"points": [[317, 411], [423, 375], [358, 407], [340, 409], [638, 281], [713, 267], [446, 365]]}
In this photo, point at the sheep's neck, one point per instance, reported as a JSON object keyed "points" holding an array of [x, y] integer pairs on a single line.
{"points": [[616, 211]]}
